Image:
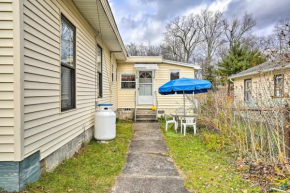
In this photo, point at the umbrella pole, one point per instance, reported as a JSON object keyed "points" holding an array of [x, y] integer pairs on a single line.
{"points": [[184, 103]]}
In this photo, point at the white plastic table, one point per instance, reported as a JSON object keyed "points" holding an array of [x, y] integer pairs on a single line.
{"points": [[180, 117]]}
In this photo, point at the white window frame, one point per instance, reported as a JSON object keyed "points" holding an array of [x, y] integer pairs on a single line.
{"points": [[247, 90], [173, 70], [276, 88], [128, 81]]}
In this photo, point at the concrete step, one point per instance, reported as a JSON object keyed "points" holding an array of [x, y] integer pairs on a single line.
{"points": [[146, 115], [146, 119], [145, 111]]}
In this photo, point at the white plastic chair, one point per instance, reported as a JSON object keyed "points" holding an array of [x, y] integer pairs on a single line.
{"points": [[189, 121], [170, 121], [179, 111]]}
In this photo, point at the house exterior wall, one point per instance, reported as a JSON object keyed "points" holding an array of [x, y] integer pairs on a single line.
{"points": [[46, 128], [126, 97], [262, 86], [6, 82]]}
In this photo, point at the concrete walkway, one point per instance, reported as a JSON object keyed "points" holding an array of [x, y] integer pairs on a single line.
{"points": [[148, 167]]}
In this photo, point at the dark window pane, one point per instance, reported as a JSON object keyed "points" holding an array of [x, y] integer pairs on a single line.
{"points": [[67, 43], [174, 75], [66, 88], [67, 64], [129, 85], [100, 84]]}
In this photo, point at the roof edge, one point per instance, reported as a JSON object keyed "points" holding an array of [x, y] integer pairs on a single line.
{"points": [[182, 64], [157, 59], [107, 8], [256, 72]]}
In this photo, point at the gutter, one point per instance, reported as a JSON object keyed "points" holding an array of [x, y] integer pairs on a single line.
{"points": [[105, 4]]}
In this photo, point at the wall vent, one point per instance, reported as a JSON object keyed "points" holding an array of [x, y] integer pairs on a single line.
{"points": [[161, 111]]}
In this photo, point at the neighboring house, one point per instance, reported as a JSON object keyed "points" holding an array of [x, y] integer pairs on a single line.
{"points": [[263, 83], [58, 59]]}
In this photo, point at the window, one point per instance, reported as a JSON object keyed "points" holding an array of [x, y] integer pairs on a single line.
{"points": [[100, 71], [128, 81], [174, 74], [112, 72], [248, 90], [68, 47], [278, 85]]}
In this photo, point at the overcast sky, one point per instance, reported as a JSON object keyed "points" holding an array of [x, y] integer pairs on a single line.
{"points": [[141, 21]]}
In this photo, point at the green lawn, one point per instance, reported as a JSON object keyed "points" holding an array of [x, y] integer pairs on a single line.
{"points": [[94, 169], [204, 170]]}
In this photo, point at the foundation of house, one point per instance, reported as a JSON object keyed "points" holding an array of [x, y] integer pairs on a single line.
{"points": [[49, 163], [15, 175], [125, 113]]}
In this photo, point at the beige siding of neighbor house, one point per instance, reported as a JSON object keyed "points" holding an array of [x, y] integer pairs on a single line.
{"points": [[46, 128], [7, 146], [262, 85], [126, 97]]}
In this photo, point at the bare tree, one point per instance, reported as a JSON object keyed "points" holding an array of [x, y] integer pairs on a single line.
{"points": [[282, 31], [171, 49], [134, 49], [181, 38], [236, 29], [210, 25]]}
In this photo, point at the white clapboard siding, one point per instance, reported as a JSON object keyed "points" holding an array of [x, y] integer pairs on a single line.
{"points": [[6, 82], [46, 128]]}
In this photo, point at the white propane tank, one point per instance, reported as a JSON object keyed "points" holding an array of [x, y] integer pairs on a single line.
{"points": [[105, 123]]}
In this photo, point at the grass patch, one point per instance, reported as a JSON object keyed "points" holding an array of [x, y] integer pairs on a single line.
{"points": [[204, 170], [93, 169]]}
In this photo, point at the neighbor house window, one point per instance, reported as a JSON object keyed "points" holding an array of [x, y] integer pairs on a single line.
{"points": [[174, 74], [68, 47], [248, 90], [278, 85], [100, 71], [128, 81]]}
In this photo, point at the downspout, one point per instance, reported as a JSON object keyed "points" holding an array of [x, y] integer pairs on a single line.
{"points": [[96, 65]]}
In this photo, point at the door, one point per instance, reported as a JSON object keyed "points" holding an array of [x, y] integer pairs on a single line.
{"points": [[145, 88]]}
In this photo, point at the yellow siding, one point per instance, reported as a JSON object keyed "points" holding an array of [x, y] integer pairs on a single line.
{"points": [[6, 82], [262, 85], [126, 97], [46, 128]]}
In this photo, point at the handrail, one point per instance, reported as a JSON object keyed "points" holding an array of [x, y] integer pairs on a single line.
{"points": [[135, 107], [156, 105]]}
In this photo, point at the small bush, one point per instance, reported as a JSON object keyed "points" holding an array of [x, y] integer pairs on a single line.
{"points": [[214, 141]]}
